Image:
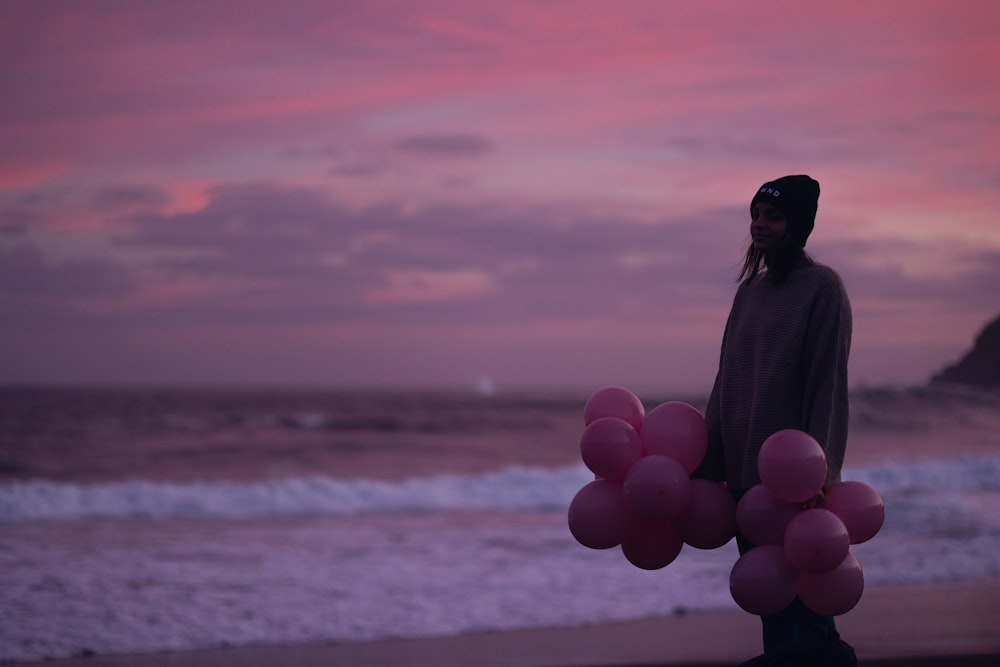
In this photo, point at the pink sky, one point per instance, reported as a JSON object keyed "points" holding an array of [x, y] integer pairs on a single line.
{"points": [[426, 193]]}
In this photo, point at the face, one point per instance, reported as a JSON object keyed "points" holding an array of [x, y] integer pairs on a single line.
{"points": [[767, 226]]}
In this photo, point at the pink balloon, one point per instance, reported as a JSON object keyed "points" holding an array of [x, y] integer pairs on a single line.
{"points": [[657, 488], [598, 515], [859, 506], [614, 402], [835, 592], [609, 447], [762, 581], [792, 465], [762, 518], [709, 519], [676, 430], [651, 546], [816, 540]]}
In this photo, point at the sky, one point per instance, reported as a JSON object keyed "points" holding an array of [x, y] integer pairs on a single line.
{"points": [[435, 193]]}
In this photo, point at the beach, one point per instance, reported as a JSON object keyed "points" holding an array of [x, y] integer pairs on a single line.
{"points": [[429, 530], [948, 624]]}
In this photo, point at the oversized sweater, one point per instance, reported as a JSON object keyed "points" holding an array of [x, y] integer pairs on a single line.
{"points": [[783, 365]]}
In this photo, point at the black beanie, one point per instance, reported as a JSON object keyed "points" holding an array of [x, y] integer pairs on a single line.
{"points": [[796, 197]]}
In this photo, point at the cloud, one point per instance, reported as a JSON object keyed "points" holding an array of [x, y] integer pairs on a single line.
{"points": [[58, 299], [446, 145], [369, 169], [17, 218], [25, 272], [895, 270], [265, 252], [483, 279], [391, 172], [130, 196]]}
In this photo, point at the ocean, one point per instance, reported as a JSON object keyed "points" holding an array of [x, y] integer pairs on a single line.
{"points": [[149, 520]]}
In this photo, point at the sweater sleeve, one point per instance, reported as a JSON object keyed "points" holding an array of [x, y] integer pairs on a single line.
{"points": [[713, 466], [824, 363]]}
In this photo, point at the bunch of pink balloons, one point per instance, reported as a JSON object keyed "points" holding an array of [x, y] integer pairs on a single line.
{"points": [[642, 498], [802, 550]]}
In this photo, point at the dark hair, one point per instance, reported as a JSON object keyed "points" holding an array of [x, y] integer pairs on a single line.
{"points": [[779, 262]]}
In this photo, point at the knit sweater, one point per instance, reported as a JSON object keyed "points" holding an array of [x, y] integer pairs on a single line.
{"points": [[783, 365]]}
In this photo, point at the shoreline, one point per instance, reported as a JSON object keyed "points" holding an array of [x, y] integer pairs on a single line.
{"points": [[950, 623]]}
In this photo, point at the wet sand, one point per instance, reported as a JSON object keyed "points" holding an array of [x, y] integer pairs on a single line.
{"points": [[948, 624]]}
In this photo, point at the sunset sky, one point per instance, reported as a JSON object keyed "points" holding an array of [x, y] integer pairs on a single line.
{"points": [[424, 193]]}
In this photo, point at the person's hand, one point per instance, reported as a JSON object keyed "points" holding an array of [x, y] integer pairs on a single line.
{"points": [[816, 501]]}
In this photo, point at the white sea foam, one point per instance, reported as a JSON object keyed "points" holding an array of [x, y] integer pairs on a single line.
{"points": [[510, 488], [141, 586], [370, 560], [136, 566]]}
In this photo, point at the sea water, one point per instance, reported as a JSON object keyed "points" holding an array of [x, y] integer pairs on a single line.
{"points": [[143, 521]]}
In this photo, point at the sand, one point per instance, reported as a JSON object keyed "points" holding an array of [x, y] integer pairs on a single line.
{"points": [[953, 624]]}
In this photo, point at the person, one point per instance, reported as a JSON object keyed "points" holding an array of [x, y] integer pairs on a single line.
{"points": [[783, 364]]}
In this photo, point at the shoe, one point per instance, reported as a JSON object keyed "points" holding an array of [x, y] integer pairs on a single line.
{"points": [[819, 650], [841, 654]]}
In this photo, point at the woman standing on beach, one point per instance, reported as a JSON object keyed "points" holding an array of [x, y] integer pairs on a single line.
{"points": [[783, 365]]}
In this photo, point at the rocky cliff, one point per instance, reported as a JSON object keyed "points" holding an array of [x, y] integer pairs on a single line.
{"points": [[981, 365]]}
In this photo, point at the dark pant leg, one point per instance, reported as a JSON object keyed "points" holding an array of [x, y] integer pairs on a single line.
{"points": [[793, 623]]}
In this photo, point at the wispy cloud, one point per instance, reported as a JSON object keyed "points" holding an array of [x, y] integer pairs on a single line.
{"points": [[446, 145]]}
